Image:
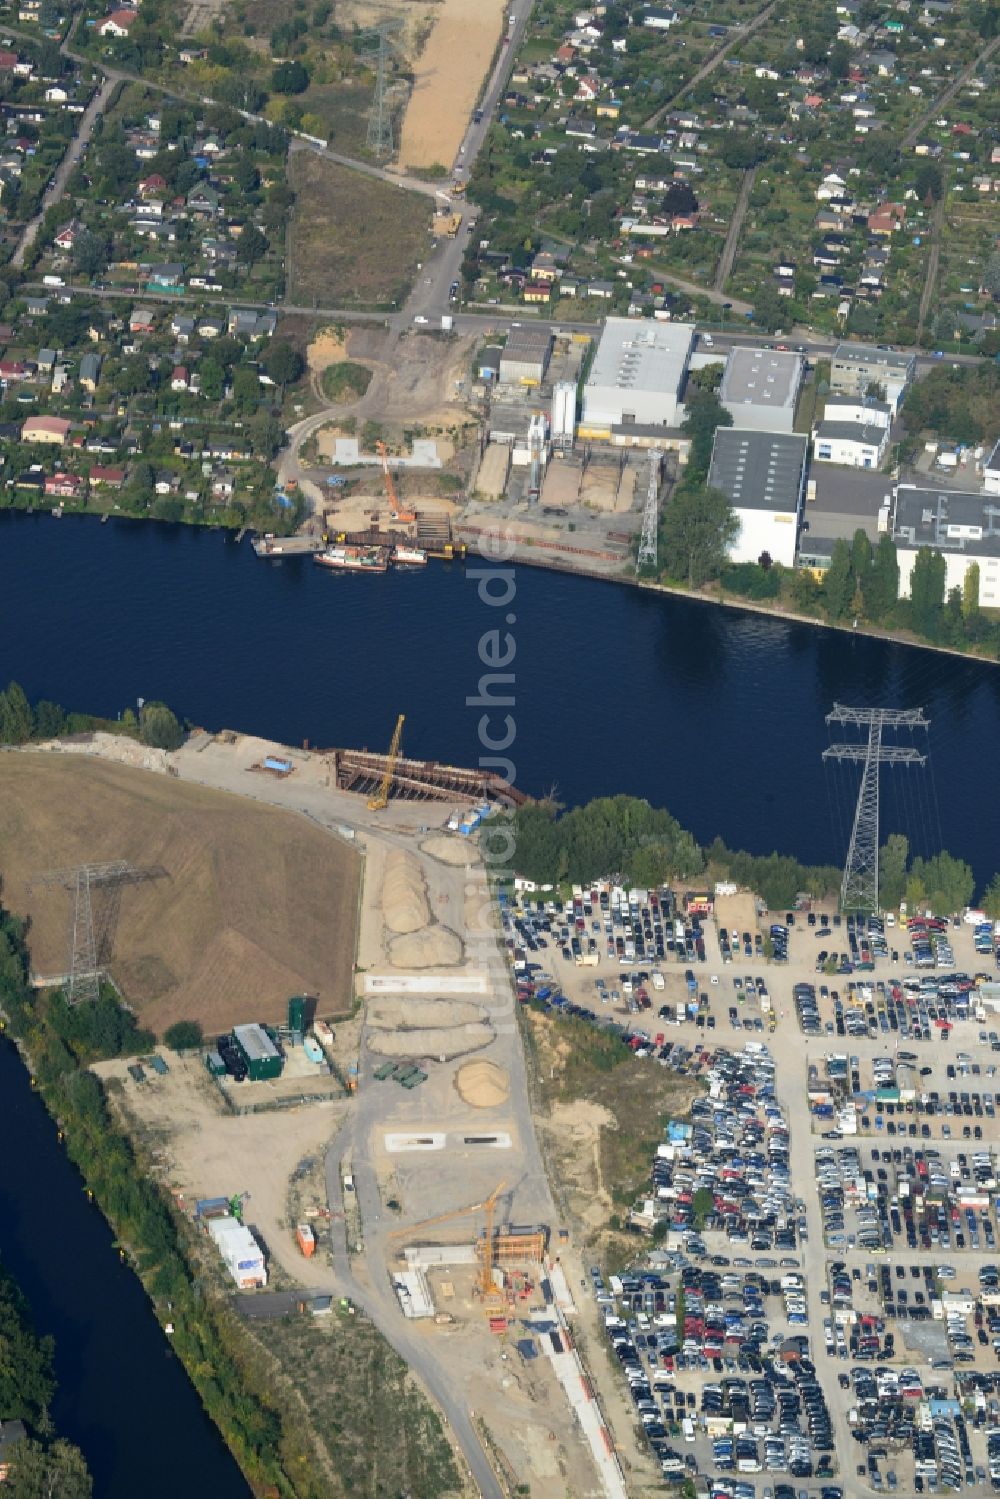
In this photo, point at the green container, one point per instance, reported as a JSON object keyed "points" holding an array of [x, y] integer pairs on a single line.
{"points": [[297, 1014]]}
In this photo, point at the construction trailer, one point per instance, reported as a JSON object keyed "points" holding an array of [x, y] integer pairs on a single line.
{"points": [[241, 1254], [262, 1057]]}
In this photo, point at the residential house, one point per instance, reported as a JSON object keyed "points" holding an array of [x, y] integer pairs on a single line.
{"points": [[203, 200], [659, 20], [90, 372], [141, 320], [64, 486], [248, 323], [886, 219], [180, 380], [537, 291], [46, 429], [211, 327], [851, 444], [119, 23], [66, 238], [182, 326], [153, 186], [106, 478]]}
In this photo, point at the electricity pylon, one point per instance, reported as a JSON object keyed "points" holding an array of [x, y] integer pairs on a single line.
{"points": [[380, 117], [90, 942], [650, 515], [859, 887]]}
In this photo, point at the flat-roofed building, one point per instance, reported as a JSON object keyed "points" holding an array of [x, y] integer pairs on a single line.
{"points": [[840, 502], [760, 388], [849, 444], [964, 527], [762, 474], [856, 368], [525, 356], [637, 375]]}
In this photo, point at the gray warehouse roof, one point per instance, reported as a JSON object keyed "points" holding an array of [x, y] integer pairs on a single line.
{"points": [[993, 461], [949, 520], [645, 356], [851, 432], [758, 470], [760, 377], [528, 343], [255, 1041], [868, 354]]}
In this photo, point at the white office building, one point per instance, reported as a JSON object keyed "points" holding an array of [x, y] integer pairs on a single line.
{"points": [[850, 444]]}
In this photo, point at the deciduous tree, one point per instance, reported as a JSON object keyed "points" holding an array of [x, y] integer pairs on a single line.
{"points": [[699, 527]]}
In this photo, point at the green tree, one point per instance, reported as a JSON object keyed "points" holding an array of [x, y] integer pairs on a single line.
{"points": [[699, 526], [251, 245], [55, 1472], [158, 727], [927, 593], [948, 882], [16, 719], [970, 591], [838, 582], [246, 388], [881, 585], [929, 180], [770, 309], [283, 363], [183, 1035], [213, 379], [90, 253], [861, 555], [704, 414], [990, 901], [289, 78], [991, 274], [50, 720], [892, 870]]}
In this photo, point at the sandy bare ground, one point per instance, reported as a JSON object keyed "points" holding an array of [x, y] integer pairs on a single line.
{"points": [[326, 348], [449, 75], [203, 1152]]}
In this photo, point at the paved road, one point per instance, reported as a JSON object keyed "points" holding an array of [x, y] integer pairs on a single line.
{"points": [[57, 187]]}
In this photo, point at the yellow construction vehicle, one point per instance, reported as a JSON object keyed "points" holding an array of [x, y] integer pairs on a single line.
{"points": [[380, 799]]}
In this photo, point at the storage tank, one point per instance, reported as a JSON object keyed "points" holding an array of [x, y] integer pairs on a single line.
{"points": [[312, 1049], [297, 1014]]}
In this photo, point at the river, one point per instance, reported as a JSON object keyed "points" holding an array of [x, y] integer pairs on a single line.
{"points": [[715, 713], [123, 1397]]}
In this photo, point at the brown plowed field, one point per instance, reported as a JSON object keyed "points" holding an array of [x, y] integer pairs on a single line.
{"points": [[257, 904]]}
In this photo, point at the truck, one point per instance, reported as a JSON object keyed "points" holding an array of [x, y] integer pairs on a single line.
{"points": [[447, 322]]}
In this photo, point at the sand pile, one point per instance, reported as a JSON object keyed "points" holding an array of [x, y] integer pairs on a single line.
{"points": [[445, 1041], [448, 850], [483, 1084], [431, 947], [404, 895], [418, 1014]]}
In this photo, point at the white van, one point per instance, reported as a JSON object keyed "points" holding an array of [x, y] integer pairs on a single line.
{"points": [[687, 1427]]}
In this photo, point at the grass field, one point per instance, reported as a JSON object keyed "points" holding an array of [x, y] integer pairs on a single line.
{"points": [[257, 904], [355, 241], [381, 1435]]}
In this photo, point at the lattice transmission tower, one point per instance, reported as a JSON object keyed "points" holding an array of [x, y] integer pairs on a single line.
{"points": [[92, 937], [380, 142], [859, 887], [650, 515]]}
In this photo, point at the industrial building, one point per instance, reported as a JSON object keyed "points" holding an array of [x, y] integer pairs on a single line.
{"points": [[837, 505], [760, 388], [855, 368], [263, 1059], [241, 1254], [762, 474], [962, 526], [525, 357], [637, 376]]}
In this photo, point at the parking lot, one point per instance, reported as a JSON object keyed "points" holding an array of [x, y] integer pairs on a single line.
{"points": [[818, 1312]]}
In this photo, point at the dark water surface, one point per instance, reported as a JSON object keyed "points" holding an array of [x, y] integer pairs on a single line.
{"points": [[123, 1397], [718, 715]]}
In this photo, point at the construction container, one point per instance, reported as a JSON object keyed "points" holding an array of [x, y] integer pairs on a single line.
{"points": [[323, 1033], [384, 1072], [498, 1324], [262, 1057], [415, 1078], [241, 1254], [297, 1014], [211, 1207], [158, 1065], [277, 766], [215, 1064], [306, 1240]]}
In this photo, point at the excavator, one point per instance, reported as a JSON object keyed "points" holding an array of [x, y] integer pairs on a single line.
{"points": [[405, 517]]}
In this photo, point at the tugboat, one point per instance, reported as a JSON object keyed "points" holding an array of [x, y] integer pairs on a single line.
{"points": [[355, 559], [409, 556]]}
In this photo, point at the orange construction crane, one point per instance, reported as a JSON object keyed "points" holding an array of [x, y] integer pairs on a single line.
{"points": [[405, 516], [477, 1207]]}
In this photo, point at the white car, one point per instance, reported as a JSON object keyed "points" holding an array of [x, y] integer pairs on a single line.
{"points": [[420, 318], [714, 979]]}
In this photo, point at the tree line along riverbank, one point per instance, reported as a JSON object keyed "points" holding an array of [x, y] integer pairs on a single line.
{"points": [[39, 1462]]}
